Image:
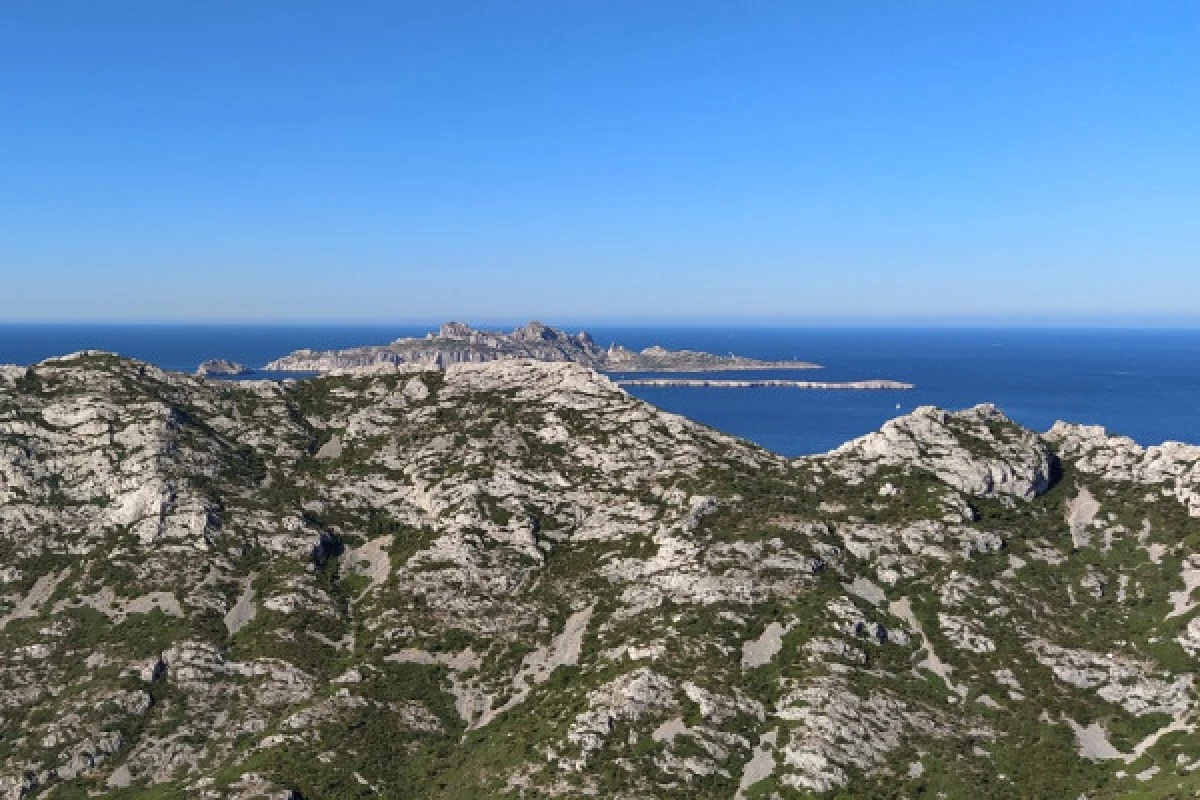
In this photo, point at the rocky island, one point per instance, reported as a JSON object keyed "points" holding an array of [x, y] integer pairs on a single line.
{"points": [[513, 579], [221, 366], [456, 343]]}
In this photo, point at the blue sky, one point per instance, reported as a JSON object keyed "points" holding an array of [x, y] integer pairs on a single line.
{"points": [[607, 160]]}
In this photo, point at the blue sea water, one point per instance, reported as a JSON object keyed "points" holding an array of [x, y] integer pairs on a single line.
{"points": [[1140, 383]]}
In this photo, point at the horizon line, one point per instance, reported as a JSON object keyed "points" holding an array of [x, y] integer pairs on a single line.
{"points": [[1039, 321]]}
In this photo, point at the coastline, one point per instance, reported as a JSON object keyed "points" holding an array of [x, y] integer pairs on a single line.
{"points": [[704, 383]]}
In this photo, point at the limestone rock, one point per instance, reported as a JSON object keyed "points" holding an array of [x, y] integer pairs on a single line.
{"points": [[511, 578], [978, 451], [221, 366], [1174, 467]]}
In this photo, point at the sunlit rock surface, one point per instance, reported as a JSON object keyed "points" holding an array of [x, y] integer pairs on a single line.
{"points": [[514, 579]]}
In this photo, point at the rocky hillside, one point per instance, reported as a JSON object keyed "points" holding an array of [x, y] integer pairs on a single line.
{"points": [[514, 580], [456, 343]]}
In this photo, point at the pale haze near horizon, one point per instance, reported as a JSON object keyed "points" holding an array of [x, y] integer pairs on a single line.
{"points": [[773, 162]]}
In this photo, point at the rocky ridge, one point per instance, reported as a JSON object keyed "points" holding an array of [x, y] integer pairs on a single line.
{"points": [[514, 579], [456, 343]]}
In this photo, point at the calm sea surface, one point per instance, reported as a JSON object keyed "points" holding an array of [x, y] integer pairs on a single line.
{"points": [[1140, 383]]}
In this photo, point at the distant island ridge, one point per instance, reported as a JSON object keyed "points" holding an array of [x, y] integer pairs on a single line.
{"points": [[458, 343], [222, 366]]}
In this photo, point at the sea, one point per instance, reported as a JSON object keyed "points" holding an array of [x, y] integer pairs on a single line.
{"points": [[1141, 383]]}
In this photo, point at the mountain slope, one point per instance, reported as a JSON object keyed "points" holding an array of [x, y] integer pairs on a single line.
{"points": [[514, 579]]}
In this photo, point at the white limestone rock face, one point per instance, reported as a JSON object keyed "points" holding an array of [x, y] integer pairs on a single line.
{"points": [[1120, 679], [629, 697], [1189, 639], [221, 366], [978, 451], [512, 578], [836, 730], [1173, 467]]}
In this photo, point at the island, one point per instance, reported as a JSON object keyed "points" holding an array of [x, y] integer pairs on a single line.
{"points": [[458, 343], [221, 366]]}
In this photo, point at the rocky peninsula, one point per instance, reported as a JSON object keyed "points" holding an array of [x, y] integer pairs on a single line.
{"points": [[716, 383], [457, 343]]}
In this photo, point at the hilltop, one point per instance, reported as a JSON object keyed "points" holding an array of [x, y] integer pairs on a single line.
{"points": [[513, 579]]}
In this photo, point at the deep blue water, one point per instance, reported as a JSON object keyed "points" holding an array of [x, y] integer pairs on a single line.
{"points": [[1141, 383]]}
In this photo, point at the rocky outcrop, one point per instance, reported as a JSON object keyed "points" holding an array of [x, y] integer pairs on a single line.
{"points": [[221, 366], [978, 451], [456, 343], [1173, 467], [688, 383]]}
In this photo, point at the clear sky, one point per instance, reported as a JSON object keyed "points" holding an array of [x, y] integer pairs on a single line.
{"points": [[599, 160]]}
